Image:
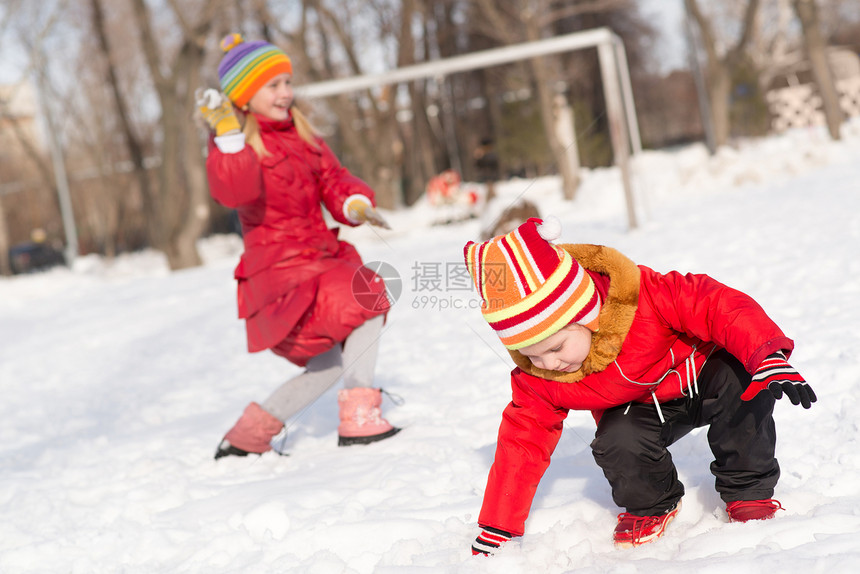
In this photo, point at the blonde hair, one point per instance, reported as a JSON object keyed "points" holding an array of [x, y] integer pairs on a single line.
{"points": [[304, 128]]}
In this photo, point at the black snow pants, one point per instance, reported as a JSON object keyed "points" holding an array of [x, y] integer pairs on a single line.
{"points": [[631, 442]]}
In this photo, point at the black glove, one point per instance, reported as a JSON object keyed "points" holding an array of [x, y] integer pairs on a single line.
{"points": [[777, 376]]}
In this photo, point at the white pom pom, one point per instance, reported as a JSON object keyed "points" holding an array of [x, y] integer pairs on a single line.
{"points": [[550, 229]]}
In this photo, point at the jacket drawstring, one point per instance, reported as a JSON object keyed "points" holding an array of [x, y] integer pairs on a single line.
{"points": [[692, 379], [692, 383], [657, 405], [695, 376]]}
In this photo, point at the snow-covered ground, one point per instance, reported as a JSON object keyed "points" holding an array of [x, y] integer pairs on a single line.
{"points": [[119, 379]]}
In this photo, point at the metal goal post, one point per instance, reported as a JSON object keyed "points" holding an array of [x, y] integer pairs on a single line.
{"points": [[615, 75]]}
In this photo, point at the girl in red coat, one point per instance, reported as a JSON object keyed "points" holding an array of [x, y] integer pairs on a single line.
{"points": [[652, 355], [297, 283]]}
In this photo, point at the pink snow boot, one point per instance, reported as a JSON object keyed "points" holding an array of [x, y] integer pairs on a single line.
{"points": [[251, 433], [361, 420]]}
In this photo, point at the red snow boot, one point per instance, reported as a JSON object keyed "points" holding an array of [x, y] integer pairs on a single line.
{"points": [[633, 530], [744, 510], [361, 419], [251, 433]]}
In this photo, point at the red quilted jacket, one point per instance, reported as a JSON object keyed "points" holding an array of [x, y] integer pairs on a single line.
{"points": [[295, 277], [656, 332]]}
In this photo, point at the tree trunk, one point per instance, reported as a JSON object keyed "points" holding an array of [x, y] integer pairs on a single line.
{"points": [[719, 69], [5, 268], [540, 69], [816, 51], [135, 147], [719, 81], [180, 207], [196, 218], [181, 194], [387, 173], [423, 161], [533, 20], [374, 146]]}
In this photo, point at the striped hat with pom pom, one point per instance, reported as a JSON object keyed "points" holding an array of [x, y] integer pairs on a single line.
{"points": [[530, 288], [248, 66]]}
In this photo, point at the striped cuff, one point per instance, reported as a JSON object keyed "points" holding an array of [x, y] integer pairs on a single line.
{"points": [[489, 540]]}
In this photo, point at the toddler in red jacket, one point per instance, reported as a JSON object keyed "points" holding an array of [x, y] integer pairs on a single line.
{"points": [[295, 279], [652, 356]]}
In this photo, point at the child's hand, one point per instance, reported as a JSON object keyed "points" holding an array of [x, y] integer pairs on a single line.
{"points": [[217, 111], [360, 210], [489, 540], [777, 376]]}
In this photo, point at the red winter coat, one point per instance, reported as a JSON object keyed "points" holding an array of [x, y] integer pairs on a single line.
{"points": [[656, 332], [295, 278]]}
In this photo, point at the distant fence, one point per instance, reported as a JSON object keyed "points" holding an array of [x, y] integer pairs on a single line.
{"points": [[800, 105]]}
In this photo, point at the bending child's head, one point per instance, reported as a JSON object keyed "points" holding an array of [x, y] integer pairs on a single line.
{"points": [[564, 350], [531, 289], [248, 66]]}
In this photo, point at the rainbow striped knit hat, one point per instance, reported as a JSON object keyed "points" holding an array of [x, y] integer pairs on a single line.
{"points": [[529, 287], [247, 66]]}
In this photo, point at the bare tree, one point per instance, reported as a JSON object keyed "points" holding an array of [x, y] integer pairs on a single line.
{"points": [[5, 269], [719, 66], [172, 45], [33, 42], [530, 20], [816, 50], [330, 42], [524, 21], [424, 145], [177, 208], [133, 142]]}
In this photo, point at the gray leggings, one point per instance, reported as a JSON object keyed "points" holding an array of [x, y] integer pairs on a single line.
{"points": [[356, 364]]}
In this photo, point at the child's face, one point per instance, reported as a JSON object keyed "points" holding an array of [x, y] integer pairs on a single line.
{"points": [[274, 99], [564, 351]]}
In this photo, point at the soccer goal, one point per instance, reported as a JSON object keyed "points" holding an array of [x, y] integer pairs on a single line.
{"points": [[615, 76]]}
